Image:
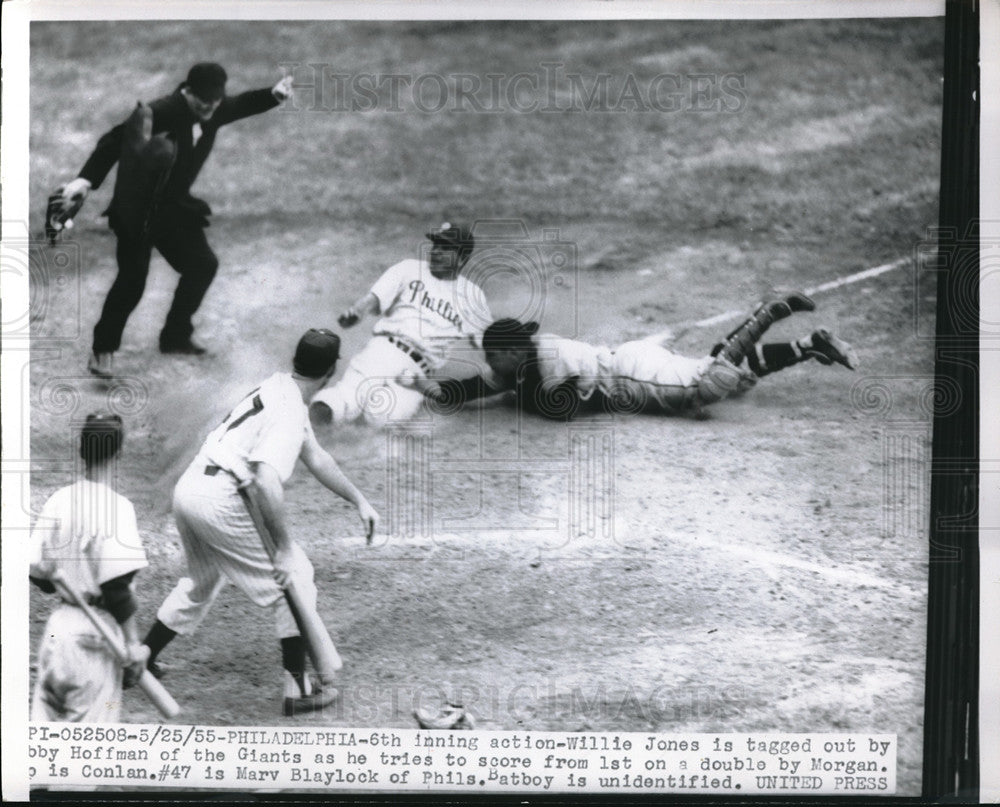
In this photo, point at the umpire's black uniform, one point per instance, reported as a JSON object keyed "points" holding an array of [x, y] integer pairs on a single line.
{"points": [[177, 220]]}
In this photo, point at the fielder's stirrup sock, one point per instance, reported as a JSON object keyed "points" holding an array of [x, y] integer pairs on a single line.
{"points": [[740, 342], [766, 359]]}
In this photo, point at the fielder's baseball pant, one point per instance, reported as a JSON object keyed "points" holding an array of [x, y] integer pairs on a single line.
{"points": [[183, 244], [648, 375], [221, 542], [368, 387], [79, 678]]}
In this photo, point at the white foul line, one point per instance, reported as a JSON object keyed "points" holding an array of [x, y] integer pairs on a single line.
{"points": [[833, 284]]}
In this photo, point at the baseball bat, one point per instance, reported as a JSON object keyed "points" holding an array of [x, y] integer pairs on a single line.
{"points": [[325, 658], [154, 690]]}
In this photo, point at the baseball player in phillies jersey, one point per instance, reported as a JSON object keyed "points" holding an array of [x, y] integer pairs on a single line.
{"points": [[555, 377], [256, 445], [426, 307], [88, 532]]}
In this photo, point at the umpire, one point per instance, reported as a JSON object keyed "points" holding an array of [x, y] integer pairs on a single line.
{"points": [[161, 149]]}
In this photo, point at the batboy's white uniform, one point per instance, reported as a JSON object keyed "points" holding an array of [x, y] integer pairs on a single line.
{"points": [[269, 425], [422, 317], [88, 532]]}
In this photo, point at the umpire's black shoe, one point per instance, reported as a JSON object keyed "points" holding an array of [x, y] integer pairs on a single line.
{"points": [[318, 699], [183, 347], [155, 669]]}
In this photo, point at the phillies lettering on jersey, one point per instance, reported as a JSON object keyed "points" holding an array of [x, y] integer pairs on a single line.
{"points": [[439, 306]]}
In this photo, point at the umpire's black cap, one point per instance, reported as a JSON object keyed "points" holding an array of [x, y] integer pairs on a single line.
{"points": [[101, 437], [453, 235], [317, 353], [207, 80]]}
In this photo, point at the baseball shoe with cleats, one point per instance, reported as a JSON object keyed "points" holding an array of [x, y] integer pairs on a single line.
{"points": [[318, 699], [827, 349], [100, 365], [320, 414], [779, 309]]}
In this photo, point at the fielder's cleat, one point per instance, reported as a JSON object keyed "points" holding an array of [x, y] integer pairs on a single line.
{"points": [[827, 349], [780, 309], [797, 301], [100, 365], [184, 347], [318, 699]]}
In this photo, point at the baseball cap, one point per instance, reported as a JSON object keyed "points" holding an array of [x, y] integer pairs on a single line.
{"points": [[101, 437], [207, 80], [316, 353], [454, 235], [505, 334]]}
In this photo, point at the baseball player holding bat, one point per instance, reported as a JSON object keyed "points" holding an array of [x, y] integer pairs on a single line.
{"points": [[229, 509], [152, 204], [556, 378], [86, 545], [425, 308]]}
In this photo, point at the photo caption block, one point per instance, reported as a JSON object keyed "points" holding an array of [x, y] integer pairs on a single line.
{"points": [[174, 756]]}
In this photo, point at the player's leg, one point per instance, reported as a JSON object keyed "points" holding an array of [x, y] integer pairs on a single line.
{"points": [[820, 345], [243, 559], [339, 403], [185, 247], [189, 602], [645, 376], [368, 388], [132, 254], [740, 341], [99, 697]]}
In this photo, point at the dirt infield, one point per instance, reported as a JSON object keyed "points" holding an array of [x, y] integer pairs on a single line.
{"points": [[760, 569]]}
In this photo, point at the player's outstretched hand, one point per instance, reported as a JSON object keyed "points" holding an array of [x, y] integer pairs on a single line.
{"points": [[369, 518], [283, 89], [348, 318]]}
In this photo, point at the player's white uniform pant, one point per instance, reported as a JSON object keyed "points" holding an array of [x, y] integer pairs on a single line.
{"points": [[645, 374], [79, 678], [221, 542], [368, 387]]}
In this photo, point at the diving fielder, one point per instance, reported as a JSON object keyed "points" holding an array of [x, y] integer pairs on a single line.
{"points": [[426, 307], [555, 377], [88, 532], [259, 442]]}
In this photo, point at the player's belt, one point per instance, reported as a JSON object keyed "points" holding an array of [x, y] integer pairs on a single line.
{"points": [[212, 470], [409, 351]]}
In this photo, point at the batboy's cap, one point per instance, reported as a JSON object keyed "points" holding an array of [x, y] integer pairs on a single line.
{"points": [[101, 436], [505, 334], [207, 80], [317, 352], [453, 235]]}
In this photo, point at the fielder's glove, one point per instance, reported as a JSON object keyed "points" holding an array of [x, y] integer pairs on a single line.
{"points": [[63, 205]]}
